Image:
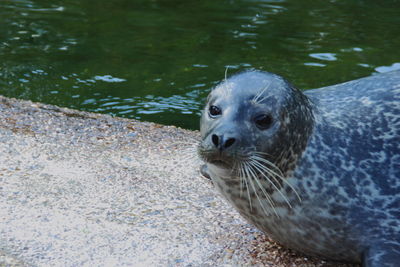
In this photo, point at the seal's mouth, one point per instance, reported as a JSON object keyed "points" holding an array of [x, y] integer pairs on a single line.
{"points": [[217, 158], [222, 158]]}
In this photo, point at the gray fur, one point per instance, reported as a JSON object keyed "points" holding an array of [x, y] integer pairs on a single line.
{"points": [[338, 150]]}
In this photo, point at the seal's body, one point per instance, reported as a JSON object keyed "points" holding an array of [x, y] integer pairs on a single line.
{"points": [[318, 171]]}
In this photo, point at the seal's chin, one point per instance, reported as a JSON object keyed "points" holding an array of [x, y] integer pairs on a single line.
{"points": [[221, 163]]}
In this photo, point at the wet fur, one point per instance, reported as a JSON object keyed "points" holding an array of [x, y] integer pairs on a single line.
{"points": [[327, 179]]}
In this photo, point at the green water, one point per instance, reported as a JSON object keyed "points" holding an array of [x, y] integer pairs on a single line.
{"points": [[156, 60]]}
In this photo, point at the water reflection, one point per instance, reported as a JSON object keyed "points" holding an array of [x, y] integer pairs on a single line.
{"points": [[156, 60], [324, 56], [108, 78], [314, 64], [394, 66], [183, 104]]}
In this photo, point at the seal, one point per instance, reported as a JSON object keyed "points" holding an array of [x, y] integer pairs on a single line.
{"points": [[318, 171]]}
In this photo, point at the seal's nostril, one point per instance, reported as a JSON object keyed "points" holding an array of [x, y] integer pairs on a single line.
{"points": [[229, 142], [215, 140]]}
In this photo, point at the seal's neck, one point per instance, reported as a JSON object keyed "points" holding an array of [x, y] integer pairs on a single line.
{"points": [[297, 126]]}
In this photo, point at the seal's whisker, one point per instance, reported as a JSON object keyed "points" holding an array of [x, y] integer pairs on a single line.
{"points": [[236, 168], [183, 145], [190, 151], [240, 173], [261, 153], [256, 165], [262, 91], [267, 196], [268, 170], [274, 174], [188, 155], [256, 98], [262, 99], [188, 143], [226, 72], [243, 168], [276, 171], [189, 158], [258, 155], [269, 163], [254, 189], [192, 147]]}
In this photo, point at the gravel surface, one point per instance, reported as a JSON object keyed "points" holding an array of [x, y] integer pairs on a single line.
{"points": [[84, 189]]}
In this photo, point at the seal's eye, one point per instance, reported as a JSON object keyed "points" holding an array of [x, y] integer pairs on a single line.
{"points": [[214, 111], [263, 121]]}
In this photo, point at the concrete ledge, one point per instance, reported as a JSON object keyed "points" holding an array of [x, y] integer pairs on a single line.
{"points": [[84, 189]]}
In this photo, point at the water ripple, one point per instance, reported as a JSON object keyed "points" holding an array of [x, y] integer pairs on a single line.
{"points": [[324, 56]]}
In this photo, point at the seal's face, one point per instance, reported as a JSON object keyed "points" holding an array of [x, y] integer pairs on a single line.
{"points": [[243, 118], [253, 131]]}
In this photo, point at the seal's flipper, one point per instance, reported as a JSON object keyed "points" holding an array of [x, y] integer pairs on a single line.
{"points": [[204, 171], [384, 255]]}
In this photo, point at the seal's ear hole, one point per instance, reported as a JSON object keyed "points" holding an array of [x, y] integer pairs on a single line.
{"points": [[214, 111], [263, 121]]}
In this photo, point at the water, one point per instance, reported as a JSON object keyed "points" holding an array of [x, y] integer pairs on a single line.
{"points": [[156, 60]]}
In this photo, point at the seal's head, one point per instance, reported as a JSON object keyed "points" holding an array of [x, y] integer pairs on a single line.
{"points": [[251, 116]]}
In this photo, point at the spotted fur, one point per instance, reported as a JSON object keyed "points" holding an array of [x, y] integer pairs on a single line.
{"points": [[337, 147]]}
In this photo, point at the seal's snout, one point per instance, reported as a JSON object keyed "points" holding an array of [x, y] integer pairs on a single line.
{"points": [[222, 142]]}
